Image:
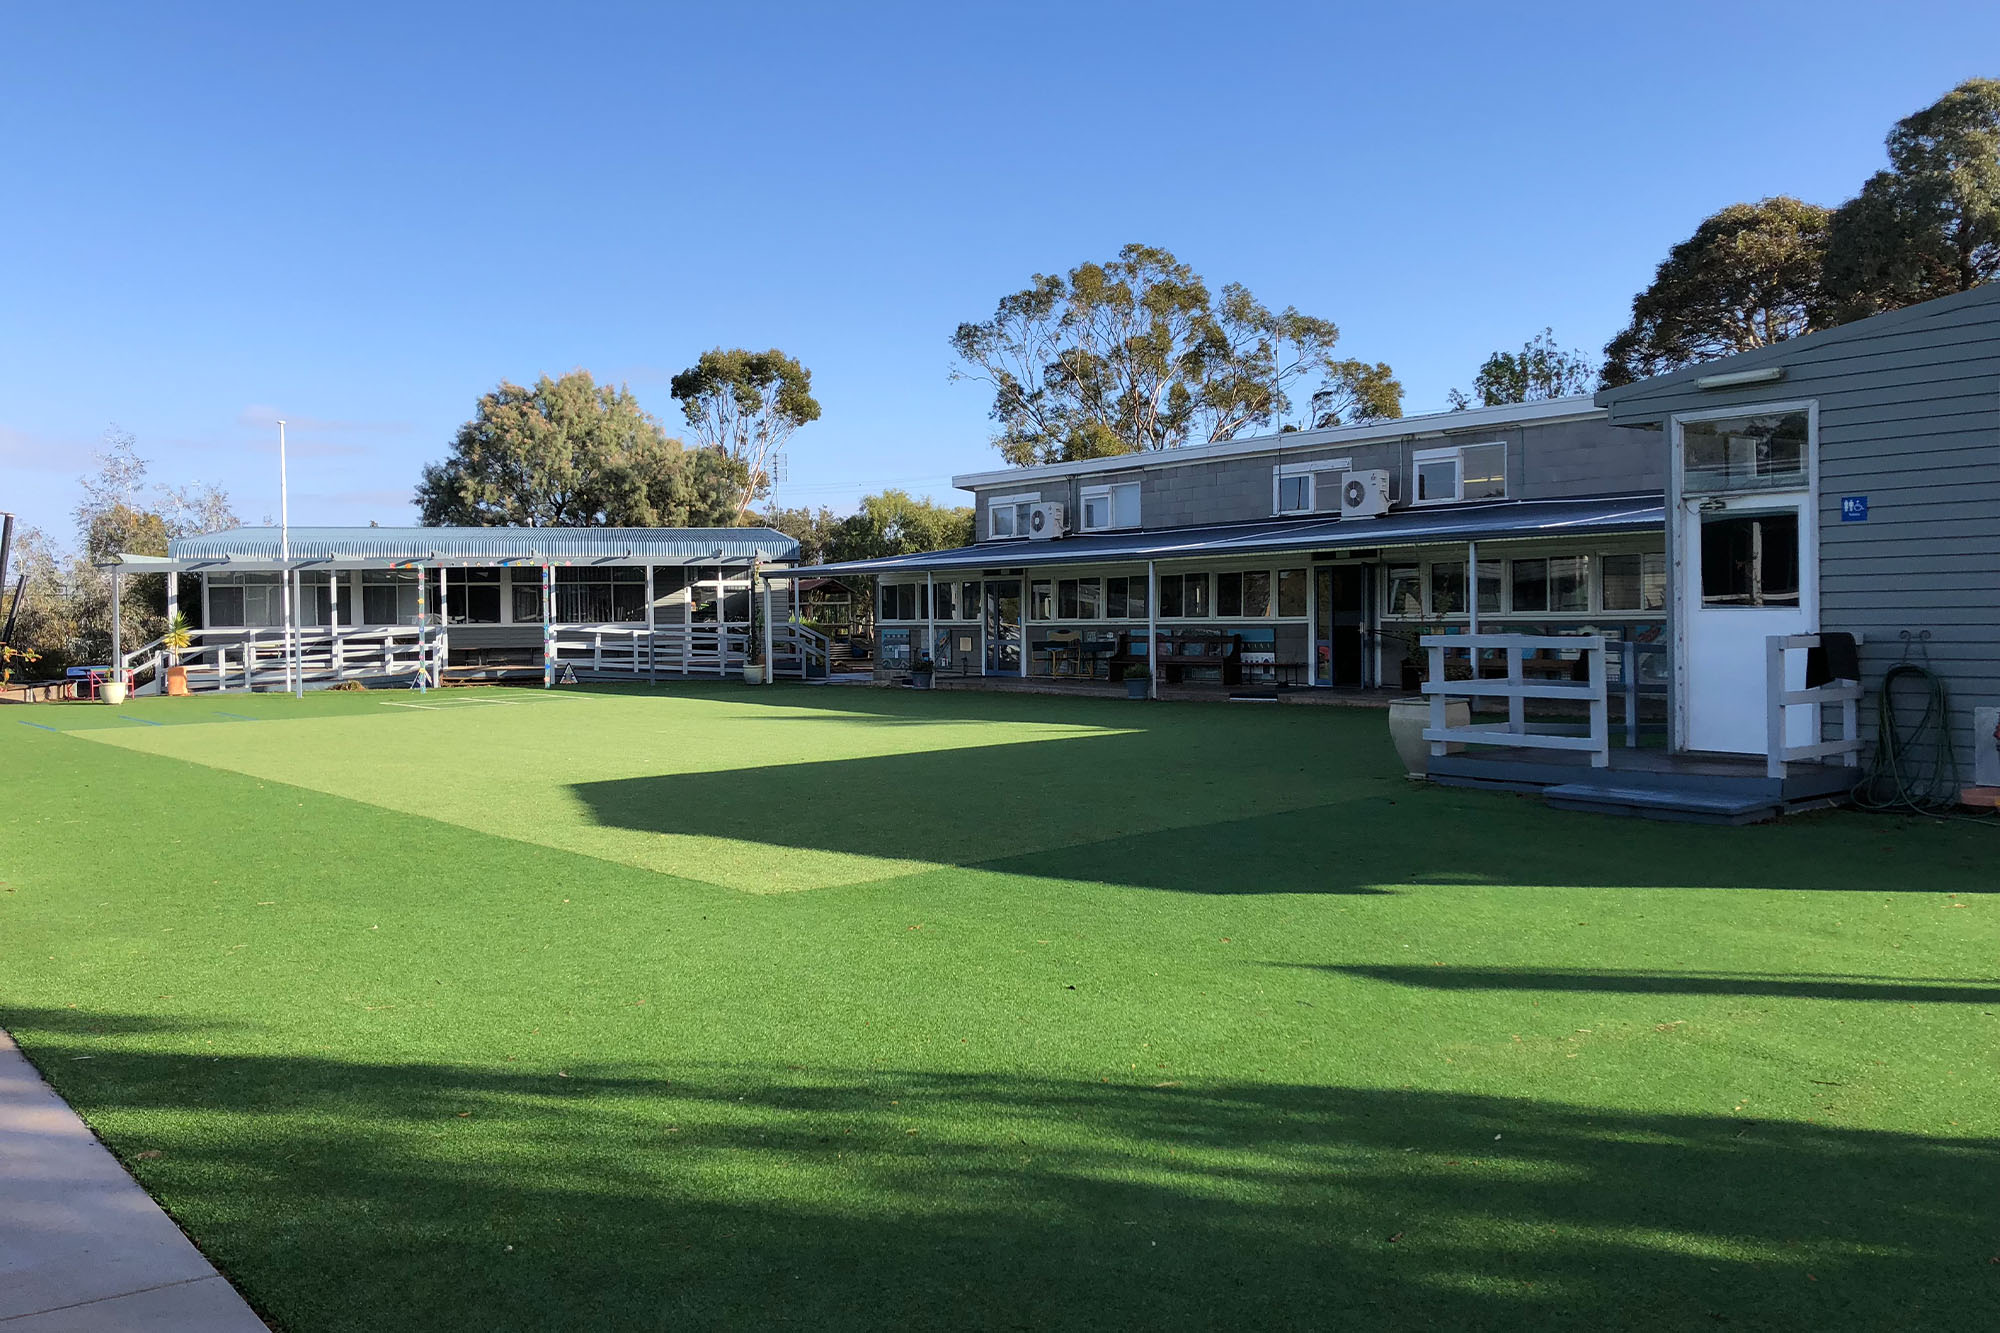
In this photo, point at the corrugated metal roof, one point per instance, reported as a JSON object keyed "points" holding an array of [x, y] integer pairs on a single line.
{"points": [[1507, 518], [637, 546]]}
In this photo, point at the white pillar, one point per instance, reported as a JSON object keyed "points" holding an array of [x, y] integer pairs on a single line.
{"points": [[652, 676], [1153, 630], [1472, 595], [173, 595], [117, 624], [336, 658], [770, 666], [548, 626], [930, 620]]}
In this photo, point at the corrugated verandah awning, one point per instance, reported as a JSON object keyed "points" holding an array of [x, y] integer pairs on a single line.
{"points": [[258, 548], [1504, 519]]}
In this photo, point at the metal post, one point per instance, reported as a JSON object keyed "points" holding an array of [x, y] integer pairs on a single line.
{"points": [[930, 620], [335, 649], [1153, 630], [652, 672], [1472, 596], [423, 631], [548, 627], [294, 670], [770, 665], [117, 624]]}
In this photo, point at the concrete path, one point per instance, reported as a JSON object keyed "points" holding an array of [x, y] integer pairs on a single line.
{"points": [[82, 1248]]}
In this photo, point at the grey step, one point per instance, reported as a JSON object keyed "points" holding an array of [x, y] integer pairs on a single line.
{"points": [[1653, 803]]}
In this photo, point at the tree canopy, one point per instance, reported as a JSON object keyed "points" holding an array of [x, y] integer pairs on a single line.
{"points": [[745, 405], [573, 453], [1930, 224], [1541, 370], [891, 522], [1138, 354], [1748, 277]]}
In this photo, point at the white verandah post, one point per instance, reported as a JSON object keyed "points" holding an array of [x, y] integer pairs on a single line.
{"points": [[1152, 630], [548, 627], [652, 676], [930, 620]]}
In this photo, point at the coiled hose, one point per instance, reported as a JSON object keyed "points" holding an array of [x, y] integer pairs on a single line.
{"points": [[1915, 769]]}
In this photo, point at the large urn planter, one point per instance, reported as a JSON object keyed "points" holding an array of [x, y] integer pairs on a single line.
{"points": [[753, 673], [113, 692], [1407, 720]]}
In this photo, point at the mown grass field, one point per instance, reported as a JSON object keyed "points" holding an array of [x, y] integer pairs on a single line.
{"points": [[855, 1009]]}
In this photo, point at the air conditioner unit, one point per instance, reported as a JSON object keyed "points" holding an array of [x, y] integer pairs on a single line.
{"points": [[1364, 494], [1045, 521]]}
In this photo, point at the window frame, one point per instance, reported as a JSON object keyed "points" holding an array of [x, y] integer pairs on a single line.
{"points": [[1455, 454], [1108, 492], [1014, 504]]}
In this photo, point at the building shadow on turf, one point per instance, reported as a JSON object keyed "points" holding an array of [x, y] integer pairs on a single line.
{"points": [[421, 1196], [1777, 985], [1213, 807]]}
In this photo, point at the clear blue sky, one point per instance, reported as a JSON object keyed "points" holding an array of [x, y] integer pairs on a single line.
{"points": [[364, 216]]}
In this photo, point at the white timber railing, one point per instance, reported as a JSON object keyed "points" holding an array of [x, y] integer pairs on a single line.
{"points": [[1780, 700], [1517, 688], [261, 658]]}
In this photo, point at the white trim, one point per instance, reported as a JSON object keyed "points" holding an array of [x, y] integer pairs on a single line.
{"points": [[1431, 425]]}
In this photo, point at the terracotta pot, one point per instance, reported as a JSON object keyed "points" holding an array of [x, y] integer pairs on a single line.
{"points": [[1407, 720], [177, 680]]}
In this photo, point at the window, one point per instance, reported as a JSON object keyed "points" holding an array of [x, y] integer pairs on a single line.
{"points": [[1292, 592], [245, 600], [1257, 593], [902, 601], [1531, 585], [1079, 599], [388, 596], [599, 594], [1041, 600], [1750, 559], [1125, 599], [316, 598], [1635, 582], [1468, 472], [1746, 453], [1569, 583], [1295, 493], [1113, 506], [1406, 593], [968, 601], [474, 594], [1448, 588], [1489, 587], [1184, 595], [527, 586], [1007, 515], [1229, 594], [946, 597]]}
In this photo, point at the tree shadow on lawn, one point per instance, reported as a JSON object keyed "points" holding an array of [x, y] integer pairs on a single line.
{"points": [[342, 1194], [1255, 811], [1787, 985]]}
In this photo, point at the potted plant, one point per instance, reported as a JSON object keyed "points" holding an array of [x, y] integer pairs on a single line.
{"points": [[1414, 663], [1138, 680], [753, 664], [176, 640], [921, 672]]}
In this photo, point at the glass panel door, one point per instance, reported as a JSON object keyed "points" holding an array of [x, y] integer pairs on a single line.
{"points": [[1340, 623], [1003, 627]]}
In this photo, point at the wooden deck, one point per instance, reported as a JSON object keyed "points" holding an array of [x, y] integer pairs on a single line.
{"points": [[1701, 788]]}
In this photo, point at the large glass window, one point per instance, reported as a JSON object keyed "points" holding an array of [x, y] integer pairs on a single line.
{"points": [[1531, 585], [1079, 599], [1113, 506], [1229, 594], [1292, 592], [1569, 583], [1750, 559], [1448, 588], [388, 596], [1257, 593], [946, 596], [526, 593], [1635, 582], [1195, 600], [1125, 598], [474, 595], [245, 600], [1007, 518], [599, 594], [1764, 451], [1469, 472], [1406, 593], [902, 601], [1489, 587]]}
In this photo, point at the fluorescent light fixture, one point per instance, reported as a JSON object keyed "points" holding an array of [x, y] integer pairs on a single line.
{"points": [[1768, 375]]}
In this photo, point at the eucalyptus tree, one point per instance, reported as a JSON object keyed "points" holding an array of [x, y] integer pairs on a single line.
{"points": [[746, 405]]}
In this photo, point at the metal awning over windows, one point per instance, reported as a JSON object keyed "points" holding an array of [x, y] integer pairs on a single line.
{"points": [[355, 548], [1512, 519]]}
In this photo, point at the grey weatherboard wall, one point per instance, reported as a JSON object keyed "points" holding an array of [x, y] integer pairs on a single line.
{"points": [[1909, 416]]}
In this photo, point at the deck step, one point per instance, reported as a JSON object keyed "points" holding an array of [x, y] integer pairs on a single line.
{"points": [[1653, 803]]}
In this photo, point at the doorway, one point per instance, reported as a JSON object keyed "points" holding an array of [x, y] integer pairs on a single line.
{"points": [[1746, 556], [1340, 624], [1003, 627]]}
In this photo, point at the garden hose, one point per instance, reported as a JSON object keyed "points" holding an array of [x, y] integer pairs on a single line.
{"points": [[1917, 770]]}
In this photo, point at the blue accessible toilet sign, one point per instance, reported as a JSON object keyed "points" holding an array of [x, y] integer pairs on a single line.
{"points": [[1853, 509]]}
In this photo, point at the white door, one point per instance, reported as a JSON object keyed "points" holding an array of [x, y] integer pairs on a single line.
{"points": [[1746, 574]]}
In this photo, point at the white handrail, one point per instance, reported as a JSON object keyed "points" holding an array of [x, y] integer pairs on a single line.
{"points": [[1517, 690], [1779, 701]]}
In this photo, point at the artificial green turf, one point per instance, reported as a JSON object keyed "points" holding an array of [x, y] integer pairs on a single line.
{"points": [[1078, 1014]]}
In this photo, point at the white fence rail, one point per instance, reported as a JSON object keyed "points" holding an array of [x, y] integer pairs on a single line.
{"points": [[1517, 688], [1780, 700]]}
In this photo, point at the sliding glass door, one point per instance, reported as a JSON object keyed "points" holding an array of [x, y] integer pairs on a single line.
{"points": [[1340, 624], [1003, 627]]}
